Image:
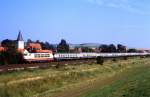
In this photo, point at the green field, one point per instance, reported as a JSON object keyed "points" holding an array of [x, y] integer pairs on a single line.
{"points": [[122, 78], [132, 83]]}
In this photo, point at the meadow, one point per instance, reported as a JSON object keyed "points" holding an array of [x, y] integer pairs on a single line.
{"points": [[85, 80], [133, 82]]}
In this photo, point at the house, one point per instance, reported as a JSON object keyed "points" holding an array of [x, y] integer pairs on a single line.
{"points": [[143, 50], [94, 47]]}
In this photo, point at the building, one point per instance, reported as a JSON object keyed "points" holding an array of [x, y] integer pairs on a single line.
{"points": [[20, 42]]}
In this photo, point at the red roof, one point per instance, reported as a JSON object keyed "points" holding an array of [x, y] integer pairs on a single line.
{"points": [[43, 51], [34, 45]]}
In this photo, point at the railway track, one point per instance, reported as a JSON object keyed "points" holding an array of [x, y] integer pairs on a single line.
{"points": [[16, 67], [57, 64]]}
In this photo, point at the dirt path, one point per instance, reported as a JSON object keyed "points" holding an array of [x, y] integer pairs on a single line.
{"points": [[90, 86], [25, 80]]}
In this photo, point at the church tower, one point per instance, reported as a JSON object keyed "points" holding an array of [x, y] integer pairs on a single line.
{"points": [[20, 41]]}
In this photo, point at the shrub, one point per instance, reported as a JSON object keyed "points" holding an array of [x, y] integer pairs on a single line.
{"points": [[11, 56], [100, 60], [114, 59], [125, 58]]}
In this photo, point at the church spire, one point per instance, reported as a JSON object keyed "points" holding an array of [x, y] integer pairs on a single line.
{"points": [[19, 38], [20, 41]]}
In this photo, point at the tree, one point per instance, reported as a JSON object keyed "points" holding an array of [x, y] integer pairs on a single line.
{"points": [[29, 41], [63, 47], [121, 48], [112, 48], [86, 49], [104, 48], [46, 46], [100, 60], [9, 43], [49, 46], [37, 41], [132, 50], [11, 56], [107, 48]]}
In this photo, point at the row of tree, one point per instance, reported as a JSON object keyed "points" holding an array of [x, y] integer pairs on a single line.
{"points": [[44, 45], [9, 43], [112, 48], [63, 46]]}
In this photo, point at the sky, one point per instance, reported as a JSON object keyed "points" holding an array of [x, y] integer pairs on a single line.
{"points": [[77, 21]]}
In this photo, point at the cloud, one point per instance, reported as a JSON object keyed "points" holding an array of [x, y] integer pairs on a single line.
{"points": [[127, 5]]}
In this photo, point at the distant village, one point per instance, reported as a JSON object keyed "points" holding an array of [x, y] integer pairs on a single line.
{"points": [[64, 47], [17, 51]]}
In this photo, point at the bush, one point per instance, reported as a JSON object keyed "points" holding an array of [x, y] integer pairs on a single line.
{"points": [[125, 58], [100, 60], [11, 56], [114, 59]]}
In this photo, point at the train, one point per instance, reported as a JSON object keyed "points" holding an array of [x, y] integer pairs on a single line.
{"points": [[33, 52], [48, 57]]}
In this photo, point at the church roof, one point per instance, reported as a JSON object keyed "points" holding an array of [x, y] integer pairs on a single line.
{"points": [[19, 38]]}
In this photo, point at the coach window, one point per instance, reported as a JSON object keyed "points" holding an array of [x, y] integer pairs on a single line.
{"points": [[35, 55], [42, 55], [25, 54]]}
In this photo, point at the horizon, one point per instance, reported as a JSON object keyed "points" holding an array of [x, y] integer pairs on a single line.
{"points": [[84, 43], [124, 22]]}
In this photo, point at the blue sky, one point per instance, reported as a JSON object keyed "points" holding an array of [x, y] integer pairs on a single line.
{"points": [[78, 21]]}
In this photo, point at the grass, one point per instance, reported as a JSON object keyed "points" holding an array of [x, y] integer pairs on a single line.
{"points": [[134, 82], [47, 82]]}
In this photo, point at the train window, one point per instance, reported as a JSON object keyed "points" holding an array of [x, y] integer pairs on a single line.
{"points": [[72, 55], [37, 55], [42, 55], [66, 55], [25, 54], [47, 55]]}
